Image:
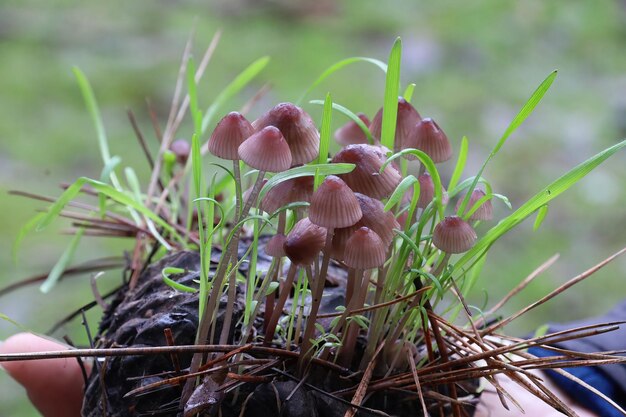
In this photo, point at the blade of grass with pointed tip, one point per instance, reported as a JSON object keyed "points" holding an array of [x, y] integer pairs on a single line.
{"points": [[356, 119], [303, 171], [392, 87], [460, 164], [322, 158], [408, 92], [339, 65], [540, 199], [62, 263], [94, 111], [541, 215], [523, 114], [233, 88]]}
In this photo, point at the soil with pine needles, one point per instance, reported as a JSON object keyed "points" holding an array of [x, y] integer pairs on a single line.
{"points": [[141, 317]]}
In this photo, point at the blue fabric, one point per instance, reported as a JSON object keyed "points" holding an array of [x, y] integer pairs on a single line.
{"points": [[592, 376]]}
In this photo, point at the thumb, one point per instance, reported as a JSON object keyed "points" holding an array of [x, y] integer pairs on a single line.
{"points": [[54, 386]]}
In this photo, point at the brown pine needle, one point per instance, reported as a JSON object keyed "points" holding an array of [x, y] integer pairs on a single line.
{"points": [[362, 389], [554, 293]]}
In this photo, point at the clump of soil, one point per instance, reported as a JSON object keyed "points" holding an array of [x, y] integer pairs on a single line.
{"points": [[140, 317]]}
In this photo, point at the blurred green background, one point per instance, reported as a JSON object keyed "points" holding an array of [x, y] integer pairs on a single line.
{"points": [[474, 63]]}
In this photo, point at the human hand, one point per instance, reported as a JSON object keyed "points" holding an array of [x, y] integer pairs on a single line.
{"points": [[54, 386], [490, 405]]}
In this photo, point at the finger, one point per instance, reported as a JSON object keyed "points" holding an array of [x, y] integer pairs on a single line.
{"points": [[54, 386]]}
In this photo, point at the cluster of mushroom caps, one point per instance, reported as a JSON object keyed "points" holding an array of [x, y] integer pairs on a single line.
{"points": [[345, 217]]}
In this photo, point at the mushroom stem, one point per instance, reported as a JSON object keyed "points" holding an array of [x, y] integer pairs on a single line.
{"points": [[253, 195], [357, 299], [232, 254], [282, 299], [269, 300], [317, 293]]}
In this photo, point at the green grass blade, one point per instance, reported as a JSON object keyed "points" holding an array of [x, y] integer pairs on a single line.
{"points": [[322, 158], [398, 193], [460, 164], [523, 114], [527, 109], [339, 65], [537, 201], [352, 116], [72, 191], [94, 111], [392, 87], [233, 88], [133, 182], [541, 215], [57, 271], [192, 87], [303, 171], [408, 92], [430, 167], [465, 184], [26, 229], [166, 272]]}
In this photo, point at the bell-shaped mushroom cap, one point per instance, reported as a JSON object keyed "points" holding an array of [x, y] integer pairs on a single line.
{"points": [[376, 218], [427, 192], [334, 205], [304, 242], [340, 240], [484, 212], [406, 120], [364, 250], [229, 133], [454, 235], [266, 150], [182, 149], [365, 178], [428, 137], [274, 247], [295, 189], [351, 133], [298, 129]]}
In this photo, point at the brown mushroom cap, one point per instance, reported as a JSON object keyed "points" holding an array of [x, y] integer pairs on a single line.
{"points": [[365, 178], [484, 212], [351, 133], [182, 149], [375, 218], [454, 235], [429, 138], [298, 129], [405, 123], [364, 250], [304, 242], [295, 189], [228, 135], [340, 240], [274, 246], [334, 205], [266, 150]]}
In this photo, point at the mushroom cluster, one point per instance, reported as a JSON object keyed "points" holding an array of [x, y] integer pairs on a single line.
{"points": [[344, 219]]}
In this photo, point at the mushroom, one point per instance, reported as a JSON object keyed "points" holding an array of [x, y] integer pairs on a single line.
{"points": [[298, 129], [405, 123]]}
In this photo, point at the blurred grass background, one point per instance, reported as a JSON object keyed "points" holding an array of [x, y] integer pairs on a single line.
{"points": [[474, 65]]}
